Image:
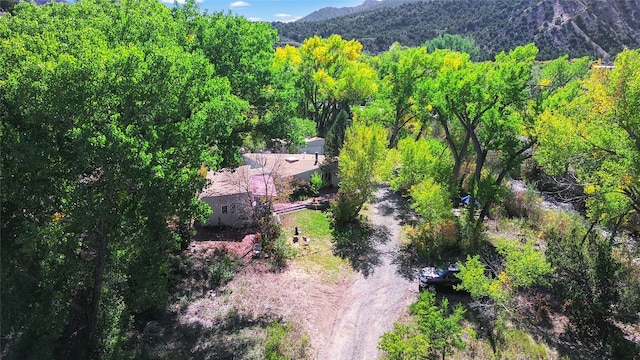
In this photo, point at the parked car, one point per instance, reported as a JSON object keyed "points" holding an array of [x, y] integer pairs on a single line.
{"points": [[432, 278]]}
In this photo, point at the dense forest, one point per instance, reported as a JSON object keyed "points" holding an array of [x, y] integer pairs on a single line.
{"points": [[112, 112], [599, 29]]}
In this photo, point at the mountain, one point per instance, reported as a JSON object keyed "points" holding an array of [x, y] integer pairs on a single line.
{"points": [[595, 28], [369, 5]]}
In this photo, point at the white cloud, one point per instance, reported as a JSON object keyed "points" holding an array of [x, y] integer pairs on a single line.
{"points": [[236, 4], [286, 17]]}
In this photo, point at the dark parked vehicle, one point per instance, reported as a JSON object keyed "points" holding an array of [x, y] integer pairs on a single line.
{"points": [[432, 278]]}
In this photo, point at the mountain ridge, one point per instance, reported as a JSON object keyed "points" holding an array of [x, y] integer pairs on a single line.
{"points": [[595, 28], [368, 5]]}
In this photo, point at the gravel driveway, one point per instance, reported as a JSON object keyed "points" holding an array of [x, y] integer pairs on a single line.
{"points": [[380, 293]]}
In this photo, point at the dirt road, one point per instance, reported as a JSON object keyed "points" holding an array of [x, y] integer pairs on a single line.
{"points": [[379, 294]]}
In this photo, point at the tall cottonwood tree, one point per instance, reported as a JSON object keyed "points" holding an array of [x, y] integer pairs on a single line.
{"points": [[106, 122], [332, 74], [243, 52], [400, 70], [485, 112], [593, 130], [361, 165]]}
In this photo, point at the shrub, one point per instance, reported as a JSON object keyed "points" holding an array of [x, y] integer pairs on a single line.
{"points": [[523, 204], [283, 344], [434, 332], [301, 190], [437, 243], [316, 183], [222, 271]]}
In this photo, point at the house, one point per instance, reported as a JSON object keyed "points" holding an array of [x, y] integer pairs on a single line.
{"points": [[313, 145], [230, 194], [300, 166]]}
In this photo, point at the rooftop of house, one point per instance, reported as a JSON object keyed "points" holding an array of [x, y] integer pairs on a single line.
{"points": [[242, 180], [314, 139], [283, 164], [227, 182]]}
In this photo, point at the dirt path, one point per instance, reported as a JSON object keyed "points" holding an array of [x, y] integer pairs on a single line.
{"points": [[377, 296]]}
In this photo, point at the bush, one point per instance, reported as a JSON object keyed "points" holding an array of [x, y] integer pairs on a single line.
{"points": [[283, 344], [523, 204], [436, 244], [316, 183], [222, 271], [281, 251], [301, 190], [434, 331]]}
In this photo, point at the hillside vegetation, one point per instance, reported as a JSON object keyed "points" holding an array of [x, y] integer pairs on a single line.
{"points": [[599, 29]]}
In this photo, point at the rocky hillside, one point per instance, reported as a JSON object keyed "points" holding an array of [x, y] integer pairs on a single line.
{"points": [[368, 5], [595, 28]]}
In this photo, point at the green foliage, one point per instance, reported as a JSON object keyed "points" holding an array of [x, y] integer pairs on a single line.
{"points": [[283, 344], [360, 167], [336, 134], [420, 159], [599, 136], [436, 332], [399, 70], [519, 344], [587, 278], [272, 236], [403, 343], [431, 202], [525, 264], [474, 279], [332, 77], [107, 117], [453, 42], [317, 182], [480, 109], [222, 270], [274, 345]]}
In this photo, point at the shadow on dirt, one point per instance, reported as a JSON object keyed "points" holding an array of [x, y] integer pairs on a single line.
{"points": [[358, 243], [391, 203], [407, 261], [228, 339]]}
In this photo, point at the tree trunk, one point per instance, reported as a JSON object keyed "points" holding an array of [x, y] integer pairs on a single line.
{"points": [[98, 279]]}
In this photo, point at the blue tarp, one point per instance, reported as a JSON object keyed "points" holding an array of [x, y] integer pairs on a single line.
{"points": [[465, 200]]}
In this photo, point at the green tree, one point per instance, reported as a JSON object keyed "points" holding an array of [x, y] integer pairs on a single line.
{"points": [[421, 159], [333, 76], [485, 113], [599, 129], [243, 52], [436, 332], [453, 42], [361, 165], [400, 69], [106, 125], [431, 201], [494, 286], [587, 279]]}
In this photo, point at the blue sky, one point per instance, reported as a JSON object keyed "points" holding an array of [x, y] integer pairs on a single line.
{"points": [[271, 10]]}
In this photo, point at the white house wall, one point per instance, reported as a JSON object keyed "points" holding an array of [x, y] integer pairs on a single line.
{"points": [[229, 210]]}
